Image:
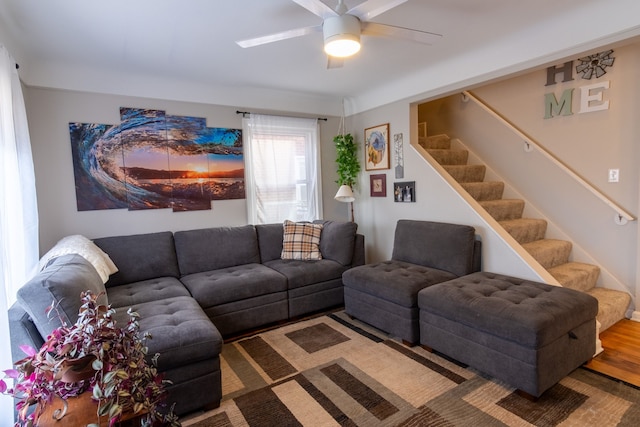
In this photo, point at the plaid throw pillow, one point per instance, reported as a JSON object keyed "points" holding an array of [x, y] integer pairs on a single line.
{"points": [[301, 241]]}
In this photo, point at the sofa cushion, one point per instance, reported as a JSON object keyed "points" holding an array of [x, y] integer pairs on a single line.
{"points": [[443, 246], [270, 241], [301, 240], [225, 285], [214, 248], [337, 240], [395, 281], [140, 256], [146, 291], [180, 331], [61, 283], [302, 273]]}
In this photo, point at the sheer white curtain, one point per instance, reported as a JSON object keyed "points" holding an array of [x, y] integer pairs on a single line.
{"points": [[282, 169], [18, 208]]}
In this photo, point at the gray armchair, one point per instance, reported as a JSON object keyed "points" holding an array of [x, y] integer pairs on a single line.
{"points": [[385, 294]]}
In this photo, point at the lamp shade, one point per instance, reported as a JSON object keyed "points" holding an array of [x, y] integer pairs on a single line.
{"points": [[344, 194], [341, 35]]}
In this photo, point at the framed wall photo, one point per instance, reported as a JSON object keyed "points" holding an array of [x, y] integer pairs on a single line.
{"points": [[376, 147], [378, 185], [404, 191]]}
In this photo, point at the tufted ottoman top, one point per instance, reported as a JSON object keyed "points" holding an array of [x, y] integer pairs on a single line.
{"points": [[530, 313], [180, 331], [395, 281]]}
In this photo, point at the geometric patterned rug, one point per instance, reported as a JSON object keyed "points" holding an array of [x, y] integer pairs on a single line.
{"points": [[335, 371]]}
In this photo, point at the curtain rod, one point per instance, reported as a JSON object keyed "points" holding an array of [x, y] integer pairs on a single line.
{"points": [[244, 114]]}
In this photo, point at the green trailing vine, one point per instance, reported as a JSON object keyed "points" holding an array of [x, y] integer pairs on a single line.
{"points": [[347, 159]]}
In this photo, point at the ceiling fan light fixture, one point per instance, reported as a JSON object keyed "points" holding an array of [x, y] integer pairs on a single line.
{"points": [[341, 35]]}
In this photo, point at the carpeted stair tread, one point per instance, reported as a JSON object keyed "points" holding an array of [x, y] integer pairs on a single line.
{"points": [[576, 275], [441, 141], [612, 306], [449, 157], [481, 191], [549, 252], [504, 209], [525, 230], [466, 173]]}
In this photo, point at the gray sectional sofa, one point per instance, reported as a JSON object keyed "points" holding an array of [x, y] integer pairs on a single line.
{"points": [[191, 289]]}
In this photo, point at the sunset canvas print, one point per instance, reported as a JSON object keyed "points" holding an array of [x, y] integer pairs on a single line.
{"points": [[152, 160]]}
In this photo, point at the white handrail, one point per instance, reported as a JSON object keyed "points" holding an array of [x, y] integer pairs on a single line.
{"points": [[620, 212]]}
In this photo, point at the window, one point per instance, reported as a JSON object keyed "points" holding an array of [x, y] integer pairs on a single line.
{"points": [[282, 166], [18, 207]]}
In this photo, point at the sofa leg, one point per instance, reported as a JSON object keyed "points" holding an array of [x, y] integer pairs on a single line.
{"points": [[408, 343], [524, 394], [211, 406], [429, 349]]}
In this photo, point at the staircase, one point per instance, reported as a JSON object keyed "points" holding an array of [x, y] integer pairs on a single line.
{"points": [[552, 254]]}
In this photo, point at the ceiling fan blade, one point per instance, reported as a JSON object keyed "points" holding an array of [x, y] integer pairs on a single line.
{"points": [[375, 29], [334, 62], [270, 38], [317, 8], [372, 8]]}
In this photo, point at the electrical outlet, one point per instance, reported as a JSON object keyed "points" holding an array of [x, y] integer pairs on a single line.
{"points": [[614, 175]]}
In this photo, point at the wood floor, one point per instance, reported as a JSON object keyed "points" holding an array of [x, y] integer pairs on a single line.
{"points": [[621, 356]]}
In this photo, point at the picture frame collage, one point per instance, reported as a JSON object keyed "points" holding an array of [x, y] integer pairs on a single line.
{"points": [[377, 152]]}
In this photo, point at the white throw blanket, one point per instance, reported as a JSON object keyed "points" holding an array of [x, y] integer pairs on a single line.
{"points": [[84, 247]]}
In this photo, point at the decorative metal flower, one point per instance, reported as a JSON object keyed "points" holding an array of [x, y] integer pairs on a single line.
{"points": [[595, 64]]}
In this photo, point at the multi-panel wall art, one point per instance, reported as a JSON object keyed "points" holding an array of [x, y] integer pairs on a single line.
{"points": [[152, 160]]}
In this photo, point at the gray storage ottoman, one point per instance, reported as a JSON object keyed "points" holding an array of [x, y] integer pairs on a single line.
{"points": [[527, 334]]}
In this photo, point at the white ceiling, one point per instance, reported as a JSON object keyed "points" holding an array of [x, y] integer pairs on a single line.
{"points": [[185, 49]]}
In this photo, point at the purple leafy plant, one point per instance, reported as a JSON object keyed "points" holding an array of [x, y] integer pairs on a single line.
{"points": [[92, 355]]}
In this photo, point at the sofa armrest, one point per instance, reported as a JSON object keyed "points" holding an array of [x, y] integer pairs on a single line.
{"points": [[22, 331], [358, 251], [477, 256]]}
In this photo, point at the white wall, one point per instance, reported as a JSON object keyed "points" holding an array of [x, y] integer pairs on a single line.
{"points": [[49, 112], [589, 143]]}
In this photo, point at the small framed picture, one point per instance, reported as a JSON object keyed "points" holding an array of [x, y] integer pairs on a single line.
{"points": [[376, 147], [378, 185], [404, 191]]}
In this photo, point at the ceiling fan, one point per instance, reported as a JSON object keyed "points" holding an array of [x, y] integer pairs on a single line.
{"points": [[342, 28]]}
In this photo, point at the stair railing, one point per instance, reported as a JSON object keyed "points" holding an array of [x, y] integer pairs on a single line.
{"points": [[621, 217]]}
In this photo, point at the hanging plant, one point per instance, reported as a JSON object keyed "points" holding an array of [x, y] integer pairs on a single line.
{"points": [[347, 159]]}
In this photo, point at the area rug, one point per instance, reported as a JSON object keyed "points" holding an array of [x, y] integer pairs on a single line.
{"points": [[335, 371]]}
